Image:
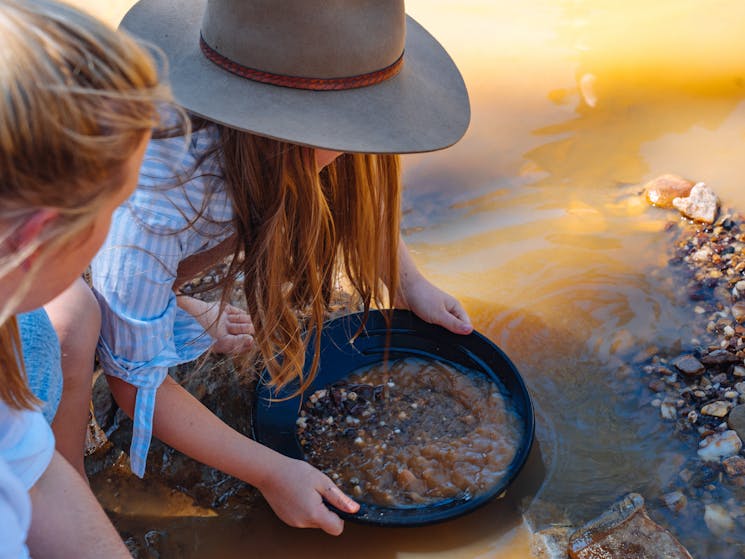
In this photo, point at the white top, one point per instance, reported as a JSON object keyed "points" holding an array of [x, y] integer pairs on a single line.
{"points": [[26, 449]]}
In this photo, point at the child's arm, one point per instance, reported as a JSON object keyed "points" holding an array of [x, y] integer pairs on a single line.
{"points": [[232, 330], [426, 300], [67, 521], [293, 488]]}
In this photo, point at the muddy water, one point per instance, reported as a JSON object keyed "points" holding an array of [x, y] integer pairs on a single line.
{"points": [[534, 221]]}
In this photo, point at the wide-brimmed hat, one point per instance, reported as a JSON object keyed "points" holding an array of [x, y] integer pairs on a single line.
{"points": [[346, 75]]}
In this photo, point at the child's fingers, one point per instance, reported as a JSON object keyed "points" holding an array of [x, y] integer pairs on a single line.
{"points": [[457, 310], [237, 315], [336, 497], [329, 522], [238, 328], [455, 319]]}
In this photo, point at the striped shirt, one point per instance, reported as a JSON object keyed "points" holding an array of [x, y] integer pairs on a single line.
{"points": [[143, 331]]}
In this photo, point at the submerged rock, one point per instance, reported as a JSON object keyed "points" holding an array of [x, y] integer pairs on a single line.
{"points": [[719, 445], [718, 520], [551, 543], [702, 204], [625, 531], [689, 365], [661, 191], [675, 501]]}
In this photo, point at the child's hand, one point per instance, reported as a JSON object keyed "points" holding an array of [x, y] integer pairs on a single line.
{"points": [[296, 491], [232, 330], [432, 304]]}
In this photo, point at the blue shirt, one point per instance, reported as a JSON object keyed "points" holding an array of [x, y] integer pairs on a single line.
{"points": [[143, 331]]}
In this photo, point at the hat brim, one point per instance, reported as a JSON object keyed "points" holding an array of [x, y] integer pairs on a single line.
{"points": [[423, 108]]}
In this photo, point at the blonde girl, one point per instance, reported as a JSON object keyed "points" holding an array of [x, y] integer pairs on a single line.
{"points": [[282, 93], [79, 101]]}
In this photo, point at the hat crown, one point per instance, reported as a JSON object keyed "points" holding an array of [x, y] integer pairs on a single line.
{"points": [[307, 38]]}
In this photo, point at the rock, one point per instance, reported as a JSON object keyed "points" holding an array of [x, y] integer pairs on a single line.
{"points": [[738, 311], [718, 520], [719, 445], [719, 357], [688, 365], [675, 501], [551, 543], [736, 420], [702, 204], [734, 466], [740, 387], [625, 531], [662, 190], [716, 409], [668, 410]]}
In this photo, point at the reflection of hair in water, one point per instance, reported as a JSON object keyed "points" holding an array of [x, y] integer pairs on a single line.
{"points": [[63, 144], [298, 229]]}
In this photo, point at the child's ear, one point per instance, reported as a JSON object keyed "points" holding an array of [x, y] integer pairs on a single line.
{"points": [[32, 227]]}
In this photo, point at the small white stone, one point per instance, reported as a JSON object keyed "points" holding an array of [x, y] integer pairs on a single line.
{"points": [[668, 411], [729, 331], [718, 520], [702, 204], [719, 445]]}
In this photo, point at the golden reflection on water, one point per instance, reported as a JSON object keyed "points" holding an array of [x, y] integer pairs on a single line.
{"points": [[534, 220]]}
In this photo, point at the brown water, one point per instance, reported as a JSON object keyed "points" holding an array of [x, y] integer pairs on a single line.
{"points": [[534, 221]]}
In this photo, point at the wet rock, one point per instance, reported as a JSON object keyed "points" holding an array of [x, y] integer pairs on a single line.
{"points": [[689, 365], [718, 520], [738, 311], [675, 501], [719, 357], [701, 204], [625, 531], [662, 190], [736, 420], [719, 445], [668, 410], [734, 466], [716, 409], [551, 543]]}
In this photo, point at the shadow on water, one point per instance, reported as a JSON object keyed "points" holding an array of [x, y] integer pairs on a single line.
{"points": [[477, 534]]}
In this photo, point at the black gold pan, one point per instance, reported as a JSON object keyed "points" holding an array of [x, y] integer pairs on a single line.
{"points": [[274, 418]]}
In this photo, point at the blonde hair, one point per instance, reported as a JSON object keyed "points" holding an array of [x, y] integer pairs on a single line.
{"points": [[297, 230], [77, 99]]}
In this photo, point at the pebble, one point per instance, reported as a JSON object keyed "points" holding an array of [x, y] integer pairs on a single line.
{"points": [[719, 357], [719, 445], [718, 520], [738, 310], [662, 190], [734, 466], [668, 410], [701, 204], [716, 409], [736, 420], [689, 365], [675, 501]]}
